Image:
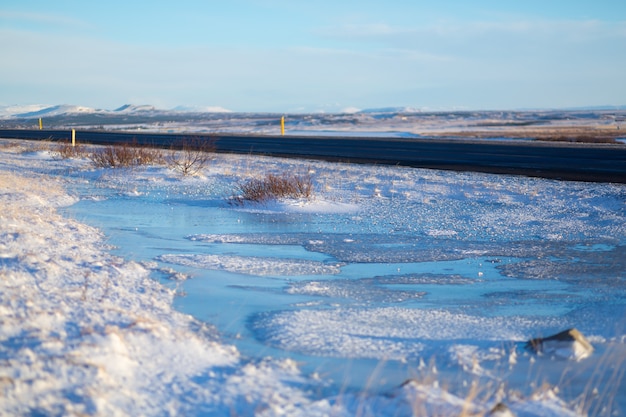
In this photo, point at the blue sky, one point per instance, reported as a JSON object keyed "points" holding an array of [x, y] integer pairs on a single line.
{"points": [[299, 56]]}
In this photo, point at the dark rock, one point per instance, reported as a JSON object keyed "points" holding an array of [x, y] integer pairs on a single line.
{"points": [[500, 410], [569, 344]]}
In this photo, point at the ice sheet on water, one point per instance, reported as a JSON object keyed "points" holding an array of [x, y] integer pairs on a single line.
{"points": [[347, 247], [419, 279], [548, 259], [387, 332], [338, 245], [251, 265], [569, 263], [604, 319], [360, 291]]}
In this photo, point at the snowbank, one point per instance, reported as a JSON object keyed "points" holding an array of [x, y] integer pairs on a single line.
{"points": [[84, 332]]}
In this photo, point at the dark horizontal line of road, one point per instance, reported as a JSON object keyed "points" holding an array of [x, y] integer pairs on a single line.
{"points": [[555, 160]]}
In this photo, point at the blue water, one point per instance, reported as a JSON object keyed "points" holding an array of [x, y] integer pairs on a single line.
{"points": [[559, 261]]}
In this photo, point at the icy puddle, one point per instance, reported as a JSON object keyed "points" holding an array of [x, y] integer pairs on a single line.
{"points": [[391, 273]]}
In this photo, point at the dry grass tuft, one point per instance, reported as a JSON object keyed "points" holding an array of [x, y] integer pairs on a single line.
{"points": [[126, 155], [6, 144], [274, 187], [65, 150]]}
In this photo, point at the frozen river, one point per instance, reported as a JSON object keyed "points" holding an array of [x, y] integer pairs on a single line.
{"points": [[388, 273]]}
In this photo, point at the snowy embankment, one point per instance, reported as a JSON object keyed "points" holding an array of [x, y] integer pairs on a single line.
{"points": [[86, 333]]}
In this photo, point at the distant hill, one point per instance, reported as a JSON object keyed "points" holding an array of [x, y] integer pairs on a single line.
{"points": [[201, 109], [57, 110], [391, 110], [34, 111], [133, 108], [596, 108]]}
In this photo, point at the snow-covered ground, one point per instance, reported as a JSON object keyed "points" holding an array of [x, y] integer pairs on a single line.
{"points": [[182, 304]]}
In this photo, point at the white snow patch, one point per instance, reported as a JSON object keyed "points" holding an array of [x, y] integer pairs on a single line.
{"points": [[441, 233], [300, 206], [253, 265], [383, 333]]}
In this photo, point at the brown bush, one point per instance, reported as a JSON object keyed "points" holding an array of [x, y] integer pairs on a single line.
{"points": [[125, 155], [273, 187], [192, 155], [65, 150]]}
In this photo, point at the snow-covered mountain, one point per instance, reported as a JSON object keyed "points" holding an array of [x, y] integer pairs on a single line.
{"points": [[201, 109], [60, 109], [391, 110], [136, 108], [9, 111], [40, 110]]}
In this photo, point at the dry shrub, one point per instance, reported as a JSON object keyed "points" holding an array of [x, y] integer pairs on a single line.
{"points": [[191, 156], [65, 150], [273, 187], [125, 155], [8, 144], [145, 155], [14, 146]]}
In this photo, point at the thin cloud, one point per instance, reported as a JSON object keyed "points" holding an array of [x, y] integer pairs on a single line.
{"points": [[450, 29], [17, 18]]}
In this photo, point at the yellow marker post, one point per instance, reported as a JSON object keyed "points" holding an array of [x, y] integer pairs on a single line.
{"points": [[282, 126], [40, 124], [73, 137]]}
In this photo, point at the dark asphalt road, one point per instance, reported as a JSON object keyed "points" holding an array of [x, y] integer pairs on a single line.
{"points": [[558, 160]]}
